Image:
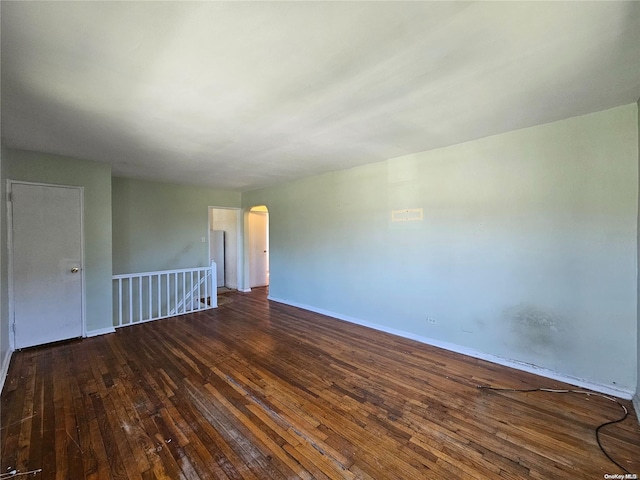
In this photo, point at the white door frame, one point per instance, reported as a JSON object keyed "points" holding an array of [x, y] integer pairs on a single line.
{"points": [[12, 319], [239, 237]]}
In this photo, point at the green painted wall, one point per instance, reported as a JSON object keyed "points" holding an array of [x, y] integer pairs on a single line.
{"points": [[527, 249], [4, 290], [96, 179], [637, 396], [159, 226]]}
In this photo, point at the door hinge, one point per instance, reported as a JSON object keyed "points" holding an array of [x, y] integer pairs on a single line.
{"points": [[9, 197]]}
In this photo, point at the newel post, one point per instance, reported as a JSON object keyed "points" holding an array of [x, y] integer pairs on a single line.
{"points": [[214, 285]]}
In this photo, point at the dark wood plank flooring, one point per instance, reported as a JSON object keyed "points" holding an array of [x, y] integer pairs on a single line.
{"points": [[260, 390]]}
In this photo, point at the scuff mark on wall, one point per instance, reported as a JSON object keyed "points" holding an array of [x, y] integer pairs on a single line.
{"points": [[535, 328]]}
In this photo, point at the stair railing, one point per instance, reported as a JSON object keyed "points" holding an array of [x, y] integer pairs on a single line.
{"points": [[147, 296]]}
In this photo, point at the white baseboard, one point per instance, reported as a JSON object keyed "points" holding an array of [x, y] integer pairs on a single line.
{"points": [[636, 404], [100, 331], [4, 368], [244, 290], [526, 367]]}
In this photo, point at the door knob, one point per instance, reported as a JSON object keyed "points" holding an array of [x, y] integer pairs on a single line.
{"points": [[75, 270]]}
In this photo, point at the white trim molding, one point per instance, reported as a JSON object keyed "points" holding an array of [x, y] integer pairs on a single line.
{"points": [[100, 331], [4, 368], [526, 367]]}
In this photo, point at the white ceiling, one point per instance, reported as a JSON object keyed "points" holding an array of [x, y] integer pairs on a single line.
{"points": [[244, 95]]}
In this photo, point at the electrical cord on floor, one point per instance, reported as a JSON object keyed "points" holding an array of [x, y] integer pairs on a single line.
{"points": [[583, 392], [14, 473]]}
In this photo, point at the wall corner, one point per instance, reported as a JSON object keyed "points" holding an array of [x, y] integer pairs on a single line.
{"points": [[636, 398]]}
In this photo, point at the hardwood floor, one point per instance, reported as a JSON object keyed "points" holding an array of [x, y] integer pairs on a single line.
{"points": [[260, 390]]}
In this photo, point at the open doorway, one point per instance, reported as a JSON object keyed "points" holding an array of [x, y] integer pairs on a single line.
{"points": [[224, 241], [258, 246]]}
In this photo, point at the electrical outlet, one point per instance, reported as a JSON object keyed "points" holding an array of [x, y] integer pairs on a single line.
{"points": [[431, 321]]}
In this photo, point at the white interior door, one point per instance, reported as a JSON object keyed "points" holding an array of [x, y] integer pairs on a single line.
{"points": [[46, 263], [259, 249]]}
